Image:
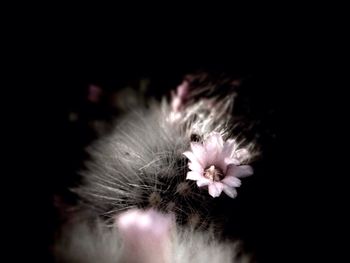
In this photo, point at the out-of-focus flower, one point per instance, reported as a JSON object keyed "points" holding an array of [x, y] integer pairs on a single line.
{"points": [[146, 235], [179, 98]]}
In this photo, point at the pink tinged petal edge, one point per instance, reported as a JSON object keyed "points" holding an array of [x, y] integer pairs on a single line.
{"points": [[203, 182], [193, 176], [230, 191], [239, 171], [199, 152], [231, 181], [215, 189]]}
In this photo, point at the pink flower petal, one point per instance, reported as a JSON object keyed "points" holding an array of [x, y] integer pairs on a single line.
{"points": [[213, 146], [229, 147], [191, 156], [182, 90], [230, 191], [200, 153], [231, 181], [195, 166], [239, 171], [215, 189], [176, 104], [229, 161], [193, 176], [136, 226], [203, 182], [215, 138]]}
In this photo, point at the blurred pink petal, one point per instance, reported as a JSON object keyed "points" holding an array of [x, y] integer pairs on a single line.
{"points": [[231, 181], [191, 157], [179, 98], [229, 147], [240, 171], [215, 189], [229, 161], [176, 104], [145, 234], [200, 153], [203, 182], [193, 176], [214, 142], [213, 146], [196, 167], [231, 192], [182, 90]]}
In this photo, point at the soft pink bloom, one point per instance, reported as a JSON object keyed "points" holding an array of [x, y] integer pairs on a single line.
{"points": [[182, 90], [145, 234], [180, 97], [216, 164]]}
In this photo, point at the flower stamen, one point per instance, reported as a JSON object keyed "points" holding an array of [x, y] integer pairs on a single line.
{"points": [[213, 173]]}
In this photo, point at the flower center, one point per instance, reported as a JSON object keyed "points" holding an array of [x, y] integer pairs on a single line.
{"points": [[213, 173]]}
